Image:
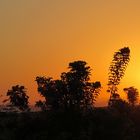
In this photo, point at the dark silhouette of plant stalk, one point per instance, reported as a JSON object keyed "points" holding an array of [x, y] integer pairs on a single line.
{"points": [[116, 72]]}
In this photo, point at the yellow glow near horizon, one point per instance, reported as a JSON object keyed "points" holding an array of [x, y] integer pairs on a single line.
{"points": [[42, 37]]}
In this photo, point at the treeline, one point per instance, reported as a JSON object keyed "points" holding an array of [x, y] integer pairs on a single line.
{"points": [[68, 109], [74, 90]]}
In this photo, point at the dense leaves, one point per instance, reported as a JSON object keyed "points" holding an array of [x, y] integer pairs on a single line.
{"points": [[73, 91], [18, 98], [132, 95]]}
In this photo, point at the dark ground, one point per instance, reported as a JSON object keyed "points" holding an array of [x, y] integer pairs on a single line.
{"points": [[98, 124]]}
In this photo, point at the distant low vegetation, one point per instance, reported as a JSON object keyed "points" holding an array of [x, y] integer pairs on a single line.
{"points": [[68, 110]]}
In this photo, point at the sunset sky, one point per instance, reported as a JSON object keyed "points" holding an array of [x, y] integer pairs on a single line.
{"points": [[40, 37]]}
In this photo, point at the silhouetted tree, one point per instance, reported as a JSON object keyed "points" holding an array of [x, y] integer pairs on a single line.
{"points": [[48, 88], [73, 90], [132, 95], [18, 98], [117, 71], [80, 91]]}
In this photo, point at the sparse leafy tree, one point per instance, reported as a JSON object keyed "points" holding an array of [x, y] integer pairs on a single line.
{"points": [[18, 98], [132, 95], [117, 71]]}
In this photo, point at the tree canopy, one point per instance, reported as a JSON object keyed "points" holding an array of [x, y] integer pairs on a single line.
{"points": [[74, 89], [18, 97], [132, 95]]}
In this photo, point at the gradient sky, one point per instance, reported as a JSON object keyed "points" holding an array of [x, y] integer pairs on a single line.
{"points": [[40, 37]]}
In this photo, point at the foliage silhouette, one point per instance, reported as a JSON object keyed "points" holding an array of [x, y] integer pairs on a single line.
{"points": [[132, 95], [80, 91], [73, 91], [48, 88], [18, 98], [120, 107], [65, 100], [41, 104], [116, 72]]}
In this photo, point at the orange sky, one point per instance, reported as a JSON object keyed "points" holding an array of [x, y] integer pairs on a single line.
{"points": [[40, 37]]}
